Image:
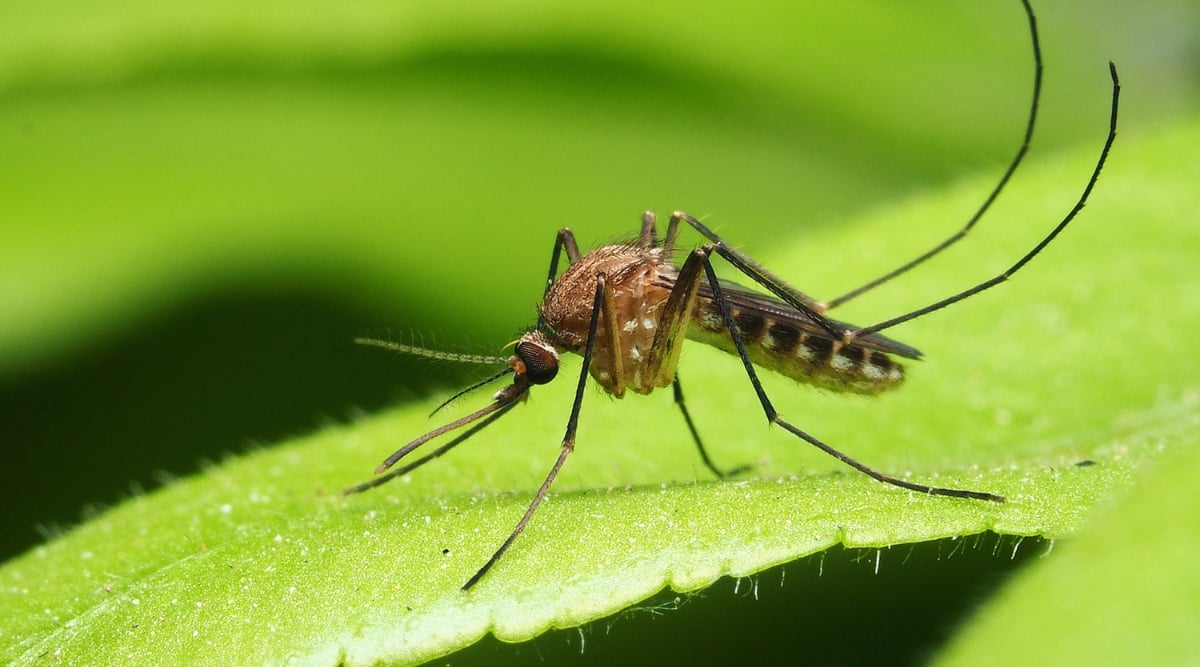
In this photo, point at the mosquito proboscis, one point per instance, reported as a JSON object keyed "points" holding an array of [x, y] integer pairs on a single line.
{"points": [[627, 308]]}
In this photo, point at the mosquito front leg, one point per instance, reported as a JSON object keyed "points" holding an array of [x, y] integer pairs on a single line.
{"points": [[648, 237], [774, 417], [568, 441], [564, 241]]}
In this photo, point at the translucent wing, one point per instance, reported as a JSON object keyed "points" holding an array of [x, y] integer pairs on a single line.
{"points": [[742, 298]]}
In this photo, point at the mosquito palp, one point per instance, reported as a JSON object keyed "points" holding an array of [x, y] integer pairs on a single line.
{"points": [[405, 469], [627, 308]]}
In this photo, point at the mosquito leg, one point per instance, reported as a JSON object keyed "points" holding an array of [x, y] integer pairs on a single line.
{"points": [[564, 241], [663, 359], [568, 442], [721, 474], [615, 357], [759, 274], [648, 238], [774, 417], [567, 448], [1012, 167], [668, 245], [1008, 273]]}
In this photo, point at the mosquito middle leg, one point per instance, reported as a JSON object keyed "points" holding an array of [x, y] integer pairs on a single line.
{"points": [[663, 360], [708, 462]]}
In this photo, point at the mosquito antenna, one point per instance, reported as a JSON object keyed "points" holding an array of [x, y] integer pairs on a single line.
{"points": [[441, 355], [405, 469], [416, 351], [1012, 167]]}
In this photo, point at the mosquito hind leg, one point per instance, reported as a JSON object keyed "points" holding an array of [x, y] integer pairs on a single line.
{"points": [[759, 274], [1041, 245], [1027, 138], [774, 417], [662, 362]]}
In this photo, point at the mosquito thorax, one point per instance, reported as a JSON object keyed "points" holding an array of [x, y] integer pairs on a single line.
{"points": [[536, 360]]}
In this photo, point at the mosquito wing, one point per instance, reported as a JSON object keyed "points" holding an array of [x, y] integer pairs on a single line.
{"points": [[748, 301]]}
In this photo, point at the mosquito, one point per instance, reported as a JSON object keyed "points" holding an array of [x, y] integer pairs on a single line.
{"points": [[627, 308]]}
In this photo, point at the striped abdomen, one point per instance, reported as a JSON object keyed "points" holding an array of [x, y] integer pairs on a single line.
{"points": [[804, 354]]}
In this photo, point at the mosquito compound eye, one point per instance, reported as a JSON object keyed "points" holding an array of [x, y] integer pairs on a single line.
{"points": [[541, 363]]}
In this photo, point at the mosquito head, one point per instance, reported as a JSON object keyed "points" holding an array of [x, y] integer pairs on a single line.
{"points": [[536, 359]]}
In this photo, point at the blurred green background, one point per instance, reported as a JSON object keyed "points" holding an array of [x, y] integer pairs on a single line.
{"points": [[200, 206]]}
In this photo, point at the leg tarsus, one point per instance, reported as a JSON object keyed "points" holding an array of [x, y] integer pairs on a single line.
{"points": [[708, 462]]}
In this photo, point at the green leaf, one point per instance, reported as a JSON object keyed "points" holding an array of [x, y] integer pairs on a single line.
{"points": [[394, 155], [1125, 592], [260, 558]]}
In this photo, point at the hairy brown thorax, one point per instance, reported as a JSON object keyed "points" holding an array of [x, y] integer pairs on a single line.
{"points": [[638, 279]]}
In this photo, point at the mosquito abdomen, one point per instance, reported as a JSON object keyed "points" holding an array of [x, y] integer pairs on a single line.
{"points": [[801, 355]]}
